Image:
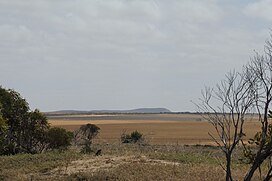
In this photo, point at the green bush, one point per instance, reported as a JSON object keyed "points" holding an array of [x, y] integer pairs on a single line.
{"points": [[59, 138], [133, 137]]}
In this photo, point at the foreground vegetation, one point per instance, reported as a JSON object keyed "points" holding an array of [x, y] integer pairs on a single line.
{"points": [[26, 166], [32, 150], [122, 162]]}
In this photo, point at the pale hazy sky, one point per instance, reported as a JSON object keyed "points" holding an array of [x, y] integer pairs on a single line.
{"points": [[122, 54]]}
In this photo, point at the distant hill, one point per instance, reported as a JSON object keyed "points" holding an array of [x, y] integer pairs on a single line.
{"points": [[149, 110], [67, 112], [139, 110]]}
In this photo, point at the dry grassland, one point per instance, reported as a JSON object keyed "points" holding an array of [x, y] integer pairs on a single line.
{"points": [[123, 162], [159, 129]]}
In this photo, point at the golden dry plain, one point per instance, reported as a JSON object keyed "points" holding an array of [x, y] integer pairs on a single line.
{"points": [[158, 128]]}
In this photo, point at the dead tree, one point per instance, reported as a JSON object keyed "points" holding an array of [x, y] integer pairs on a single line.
{"points": [[84, 136], [225, 108], [261, 67]]}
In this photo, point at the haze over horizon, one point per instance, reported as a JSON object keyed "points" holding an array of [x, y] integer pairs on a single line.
{"points": [[116, 55]]}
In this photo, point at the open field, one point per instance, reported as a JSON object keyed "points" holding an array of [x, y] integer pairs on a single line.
{"points": [[157, 128]]}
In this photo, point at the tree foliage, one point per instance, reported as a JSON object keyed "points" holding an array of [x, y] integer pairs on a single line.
{"points": [[3, 131], [14, 111], [34, 132], [84, 136], [22, 130]]}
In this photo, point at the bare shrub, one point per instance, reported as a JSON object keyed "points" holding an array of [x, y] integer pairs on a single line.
{"points": [[84, 137]]}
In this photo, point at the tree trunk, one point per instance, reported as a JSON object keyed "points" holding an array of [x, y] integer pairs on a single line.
{"points": [[259, 159], [228, 167], [250, 174]]}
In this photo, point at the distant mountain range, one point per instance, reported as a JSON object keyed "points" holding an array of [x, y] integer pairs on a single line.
{"points": [[139, 110]]}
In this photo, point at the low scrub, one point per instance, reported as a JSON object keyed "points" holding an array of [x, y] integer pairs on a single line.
{"points": [[134, 137]]}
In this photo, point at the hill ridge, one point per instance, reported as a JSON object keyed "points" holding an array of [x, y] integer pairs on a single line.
{"points": [[137, 110]]}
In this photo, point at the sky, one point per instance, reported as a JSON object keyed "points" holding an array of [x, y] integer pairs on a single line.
{"points": [[125, 54]]}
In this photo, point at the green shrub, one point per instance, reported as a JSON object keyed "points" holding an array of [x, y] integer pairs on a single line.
{"points": [[59, 138], [133, 137]]}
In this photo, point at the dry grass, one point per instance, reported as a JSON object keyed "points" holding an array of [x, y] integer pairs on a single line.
{"points": [[159, 129], [26, 166], [123, 162], [140, 171]]}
